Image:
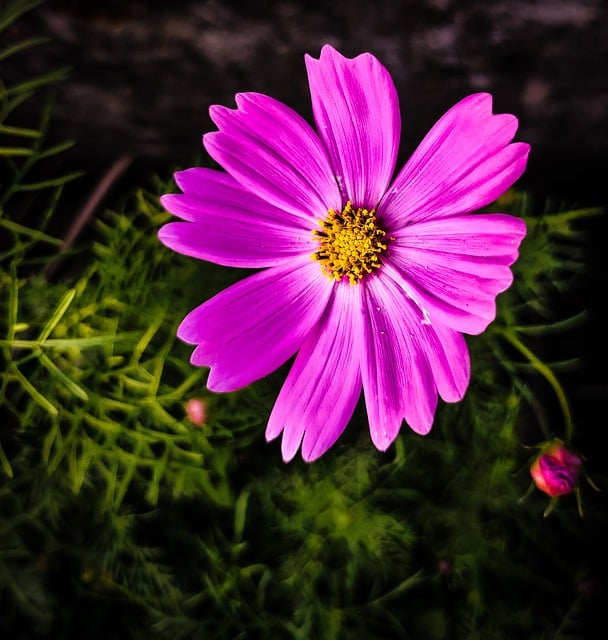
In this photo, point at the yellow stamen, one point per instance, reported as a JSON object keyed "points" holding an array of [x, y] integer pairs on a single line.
{"points": [[350, 243]]}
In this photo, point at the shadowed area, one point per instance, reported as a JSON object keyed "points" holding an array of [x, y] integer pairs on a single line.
{"points": [[144, 73]]}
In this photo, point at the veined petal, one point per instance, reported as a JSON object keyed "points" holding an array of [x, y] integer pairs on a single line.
{"points": [[450, 362], [207, 192], [228, 225], [321, 390], [397, 377], [234, 244], [248, 330], [274, 153], [455, 267], [356, 109], [464, 163]]}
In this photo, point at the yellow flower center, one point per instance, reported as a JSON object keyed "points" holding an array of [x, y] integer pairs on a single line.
{"points": [[350, 243]]}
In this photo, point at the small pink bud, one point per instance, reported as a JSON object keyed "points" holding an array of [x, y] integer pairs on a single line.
{"points": [[196, 411], [556, 470], [444, 567]]}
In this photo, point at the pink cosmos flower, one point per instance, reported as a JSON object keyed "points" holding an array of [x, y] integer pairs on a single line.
{"points": [[370, 279]]}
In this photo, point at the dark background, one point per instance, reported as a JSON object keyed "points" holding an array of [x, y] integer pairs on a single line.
{"points": [[145, 72]]}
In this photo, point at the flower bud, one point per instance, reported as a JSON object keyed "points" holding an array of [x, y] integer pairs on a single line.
{"points": [[196, 411], [556, 470]]}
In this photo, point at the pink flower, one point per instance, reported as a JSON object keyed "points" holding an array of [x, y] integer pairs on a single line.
{"points": [[556, 470], [370, 279]]}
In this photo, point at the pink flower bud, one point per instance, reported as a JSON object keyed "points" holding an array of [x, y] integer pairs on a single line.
{"points": [[556, 470], [196, 411]]}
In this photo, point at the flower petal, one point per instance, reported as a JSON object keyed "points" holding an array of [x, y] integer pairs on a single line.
{"points": [[450, 362], [455, 267], [356, 110], [229, 225], [248, 330], [274, 153], [234, 244], [207, 192], [320, 393], [397, 378], [463, 163]]}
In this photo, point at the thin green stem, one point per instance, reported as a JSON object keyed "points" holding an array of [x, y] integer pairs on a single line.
{"points": [[549, 376]]}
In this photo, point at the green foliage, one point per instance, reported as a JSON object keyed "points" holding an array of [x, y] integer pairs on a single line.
{"points": [[548, 275], [119, 517], [108, 389]]}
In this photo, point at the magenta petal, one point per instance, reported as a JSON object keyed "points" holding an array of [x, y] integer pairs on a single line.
{"points": [[397, 333], [236, 244], [248, 330], [464, 163], [324, 384], [356, 110], [397, 377], [274, 153], [217, 194], [455, 267], [229, 225], [450, 362]]}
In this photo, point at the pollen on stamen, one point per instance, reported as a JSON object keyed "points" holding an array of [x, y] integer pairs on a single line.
{"points": [[350, 243]]}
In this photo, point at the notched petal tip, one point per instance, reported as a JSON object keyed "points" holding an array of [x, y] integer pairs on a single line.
{"points": [[209, 140], [180, 206], [289, 448], [382, 441], [519, 229], [245, 98], [185, 333], [524, 152], [313, 454], [217, 111], [318, 441], [165, 201], [164, 235], [159, 235], [480, 98], [482, 102], [184, 176], [170, 236], [327, 50], [422, 430], [293, 433]]}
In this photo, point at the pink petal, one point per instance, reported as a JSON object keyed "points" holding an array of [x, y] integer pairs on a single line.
{"points": [[455, 267], [234, 244], [248, 330], [324, 384], [274, 153], [356, 110], [450, 362], [397, 378], [228, 225], [216, 193], [464, 163]]}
